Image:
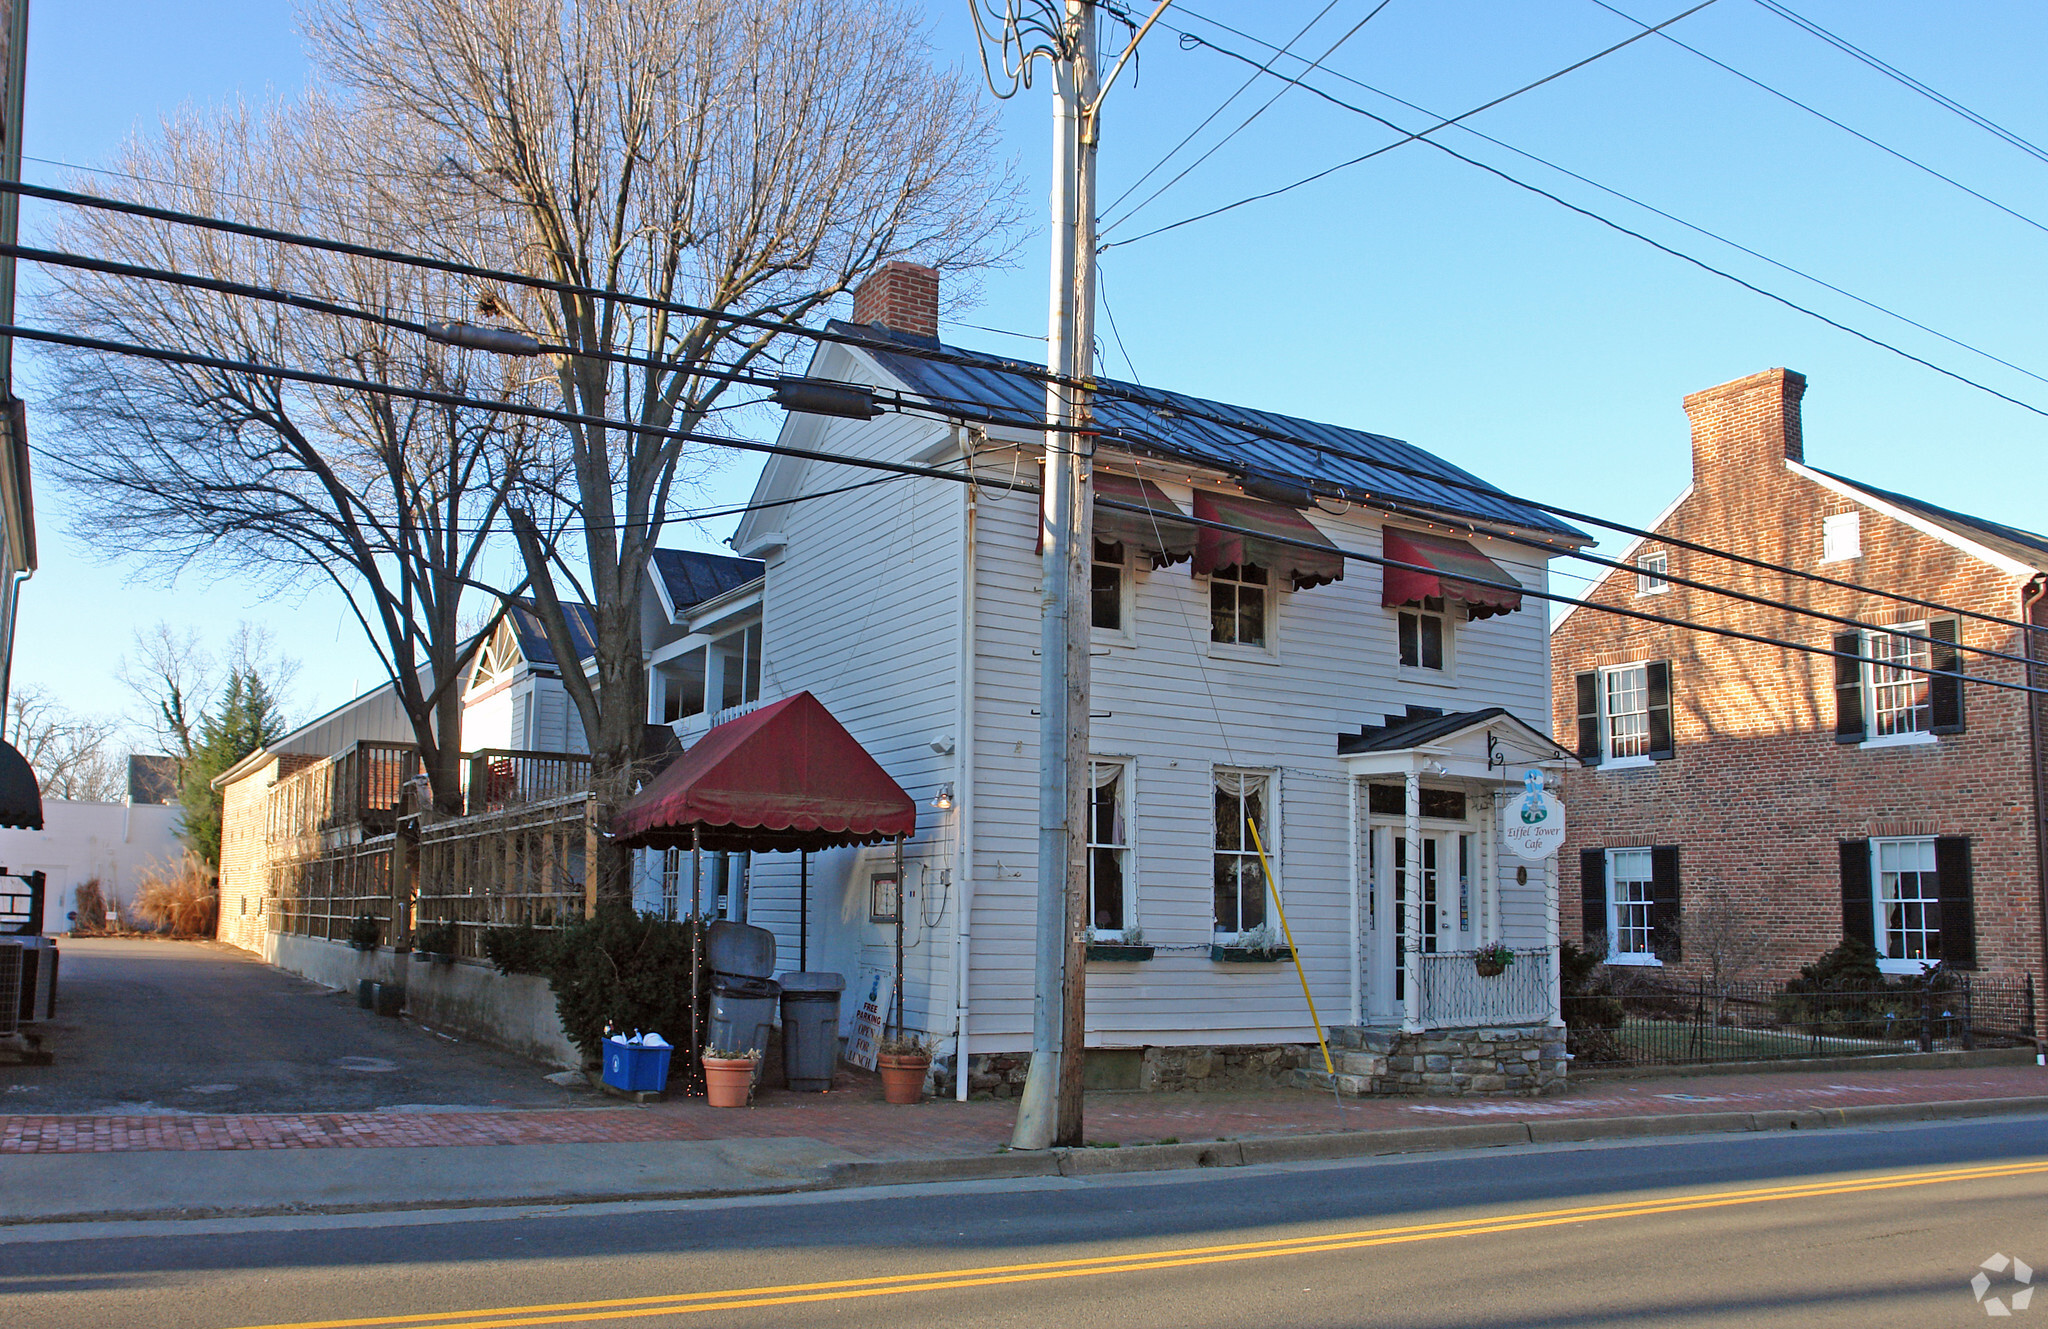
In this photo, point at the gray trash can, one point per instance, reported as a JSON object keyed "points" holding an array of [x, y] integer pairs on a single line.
{"points": [[810, 1029], [742, 1012]]}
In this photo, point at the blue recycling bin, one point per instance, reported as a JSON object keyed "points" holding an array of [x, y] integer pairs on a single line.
{"points": [[634, 1068]]}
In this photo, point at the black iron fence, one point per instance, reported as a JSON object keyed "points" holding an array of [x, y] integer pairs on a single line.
{"points": [[1626, 1020]]}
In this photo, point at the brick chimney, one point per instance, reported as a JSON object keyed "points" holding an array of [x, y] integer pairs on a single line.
{"points": [[1749, 425], [900, 296]]}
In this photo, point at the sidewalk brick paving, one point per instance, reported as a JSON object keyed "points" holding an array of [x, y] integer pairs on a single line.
{"points": [[854, 1119]]}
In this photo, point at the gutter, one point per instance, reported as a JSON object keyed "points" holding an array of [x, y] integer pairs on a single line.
{"points": [[2030, 604], [963, 804]]}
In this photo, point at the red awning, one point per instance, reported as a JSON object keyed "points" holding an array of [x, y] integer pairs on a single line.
{"points": [[787, 776], [1223, 549], [1456, 565], [1161, 532]]}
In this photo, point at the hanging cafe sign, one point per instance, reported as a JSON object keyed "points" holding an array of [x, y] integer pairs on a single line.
{"points": [[1532, 826]]}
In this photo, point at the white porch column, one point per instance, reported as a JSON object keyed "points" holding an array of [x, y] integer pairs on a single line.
{"points": [[1550, 940], [1411, 907], [1489, 858], [1357, 935]]}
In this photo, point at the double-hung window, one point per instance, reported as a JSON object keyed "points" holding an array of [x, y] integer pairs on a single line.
{"points": [[1424, 630], [1240, 883], [1650, 572], [1239, 597], [1628, 886], [671, 881], [1106, 586], [1632, 897], [1109, 849], [1899, 684], [1910, 897], [1624, 713]]}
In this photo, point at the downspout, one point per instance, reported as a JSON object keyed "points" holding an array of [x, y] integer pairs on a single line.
{"points": [[2030, 604], [963, 808]]}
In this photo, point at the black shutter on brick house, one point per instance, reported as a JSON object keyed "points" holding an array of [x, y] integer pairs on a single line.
{"points": [[1587, 687], [1592, 893], [1859, 914], [1849, 688], [1657, 674], [1666, 934], [1945, 688], [1958, 909]]}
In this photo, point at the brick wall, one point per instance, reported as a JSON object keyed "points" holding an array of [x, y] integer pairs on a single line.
{"points": [[244, 851], [1759, 792], [903, 296]]}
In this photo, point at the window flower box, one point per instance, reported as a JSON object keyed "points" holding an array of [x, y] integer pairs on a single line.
{"points": [[1118, 950], [1226, 954]]}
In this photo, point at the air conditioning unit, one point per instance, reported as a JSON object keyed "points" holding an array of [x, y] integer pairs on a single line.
{"points": [[12, 952], [38, 979]]}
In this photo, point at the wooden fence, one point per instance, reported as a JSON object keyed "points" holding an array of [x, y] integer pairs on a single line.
{"points": [[322, 894], [520, 864]]}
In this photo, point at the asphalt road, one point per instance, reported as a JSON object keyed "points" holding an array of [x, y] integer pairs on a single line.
{"points": [[1869, 1227], [185, 1026]]}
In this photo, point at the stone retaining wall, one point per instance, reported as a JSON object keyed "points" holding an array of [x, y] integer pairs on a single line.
{"points": [[1521, 1061], [1162, 1069]]}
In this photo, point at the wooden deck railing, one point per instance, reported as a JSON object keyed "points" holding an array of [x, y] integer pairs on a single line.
{"points": [[505, 777]]}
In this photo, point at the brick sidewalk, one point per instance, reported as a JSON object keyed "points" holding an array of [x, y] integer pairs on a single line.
{"points": [[854, 1118]]}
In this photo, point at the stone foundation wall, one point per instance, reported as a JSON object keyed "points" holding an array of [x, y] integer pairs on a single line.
{"points": [[1161, 1069], [1521, 1061]]}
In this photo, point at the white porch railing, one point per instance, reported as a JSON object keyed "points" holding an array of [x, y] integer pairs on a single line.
{"points": [[692, 727], [1455, 996]]}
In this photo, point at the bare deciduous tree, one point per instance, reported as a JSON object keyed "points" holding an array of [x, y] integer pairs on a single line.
{"points": [[752, 157], [394, 501], [74, 756]]}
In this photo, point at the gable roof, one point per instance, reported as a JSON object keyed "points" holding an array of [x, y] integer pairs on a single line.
{"points": [[2014, 543], [1423, 725], [1155, 422], [533, 638], [690, 578]]}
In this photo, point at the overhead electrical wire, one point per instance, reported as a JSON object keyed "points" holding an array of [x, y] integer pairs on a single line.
{"points": [[1242, 125], [1787, 97], [1639, 203], [982, 412], [914, 469], [1893, 72]]}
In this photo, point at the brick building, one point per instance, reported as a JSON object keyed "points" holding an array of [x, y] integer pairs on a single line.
{"points": [[1798, 796]]}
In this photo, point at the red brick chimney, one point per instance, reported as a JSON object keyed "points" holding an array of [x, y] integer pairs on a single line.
{"points": [[1749, 425], [901, 296]]}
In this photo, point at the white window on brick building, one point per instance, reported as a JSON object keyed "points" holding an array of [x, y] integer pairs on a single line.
{"points": [[1912, 899], [1625, 714], [1908, 899], [1650, 570], [1841, 537], [1902, 684], [1631, 897], [1625, 711], [1628, 885], [1899, 690]]}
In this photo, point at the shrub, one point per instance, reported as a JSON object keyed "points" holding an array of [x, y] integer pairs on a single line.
{"points": [[365, 931], [1591, 1010], [1843, 994], [521, 948], [435, 938], [180, 898], [90, 915], [623, 971]]}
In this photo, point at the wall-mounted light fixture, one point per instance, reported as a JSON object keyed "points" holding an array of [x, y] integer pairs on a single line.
{"points": [[944, 798]]}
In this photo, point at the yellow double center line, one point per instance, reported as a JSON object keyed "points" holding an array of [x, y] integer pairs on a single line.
{"points": [[790, 1294]]}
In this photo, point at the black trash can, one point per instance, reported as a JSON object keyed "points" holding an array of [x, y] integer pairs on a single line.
{"points": [[810, 1029]]}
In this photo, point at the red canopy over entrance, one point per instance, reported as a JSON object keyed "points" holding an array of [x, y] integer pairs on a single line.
{"points": [[785, 777], [1454, 561]]}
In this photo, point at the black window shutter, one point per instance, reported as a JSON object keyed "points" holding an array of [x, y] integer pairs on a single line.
{"points": [[1849, 688], [1945, 693], [1588, 687], [1958, 911], [1658, 676], [1666, 933], [1592, 892], [1859, 914]]}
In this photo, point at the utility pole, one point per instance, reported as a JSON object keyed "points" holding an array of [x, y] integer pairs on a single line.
{"points": [[1062, 33]]}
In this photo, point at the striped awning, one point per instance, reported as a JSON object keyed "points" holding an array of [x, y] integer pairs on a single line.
{"points": [[1258, 542], [1161, 532], [1454, 568]]}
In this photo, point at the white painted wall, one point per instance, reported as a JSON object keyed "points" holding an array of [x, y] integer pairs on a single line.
{"points": [[115, 842]]}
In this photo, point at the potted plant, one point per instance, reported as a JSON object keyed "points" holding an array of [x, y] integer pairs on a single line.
{"points": [[904, 1063], [729, 1076], [1258, 946], [364, 932], [1126, 945], [435, 941], [1492, 961]]}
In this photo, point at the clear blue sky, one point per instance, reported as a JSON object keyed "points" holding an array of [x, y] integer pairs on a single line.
{"points": [[1412, 295]]}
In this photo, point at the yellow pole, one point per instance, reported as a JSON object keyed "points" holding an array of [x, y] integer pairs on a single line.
{"points": [[1274, 895]]}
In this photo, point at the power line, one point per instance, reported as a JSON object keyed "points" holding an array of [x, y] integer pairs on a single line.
{"points": [[1590, 215], [1217, 146], [1639, 203], [1823, 115], [1940, 99], [912, 469]]}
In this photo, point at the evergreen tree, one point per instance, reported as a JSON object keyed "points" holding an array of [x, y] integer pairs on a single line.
{"points": [[249, 716]]}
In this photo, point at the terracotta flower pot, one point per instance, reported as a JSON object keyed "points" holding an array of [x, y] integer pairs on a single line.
{"points": [[728, 1082], [903, 1076]]}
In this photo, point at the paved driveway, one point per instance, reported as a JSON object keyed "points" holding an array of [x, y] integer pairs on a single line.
{"points": [[181, 1026]]}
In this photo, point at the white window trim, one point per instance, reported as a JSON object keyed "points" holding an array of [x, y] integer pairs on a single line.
{"points": [[1866, 682], [1132, 917], [1237, 650], [1640, 761], [1272, 779], [1127, 609], [1653, 583], [1645, 960], [1885, 964], [1452, 615], [1853, 555]]}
